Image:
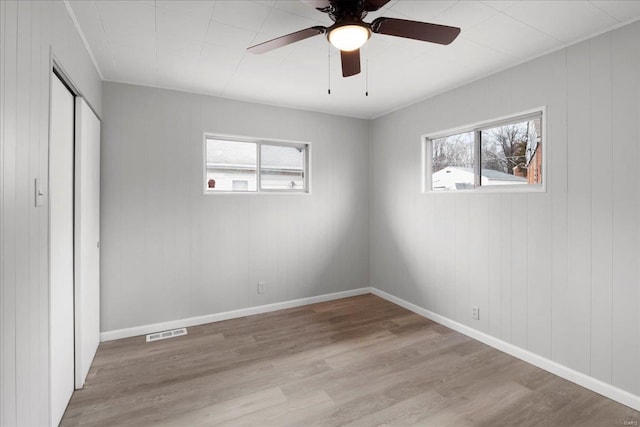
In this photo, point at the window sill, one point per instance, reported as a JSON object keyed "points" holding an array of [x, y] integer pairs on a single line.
{"points": [[492, 190], [256, 193]]}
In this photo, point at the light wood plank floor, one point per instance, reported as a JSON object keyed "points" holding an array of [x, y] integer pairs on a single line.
{"points": [[358, 361]]}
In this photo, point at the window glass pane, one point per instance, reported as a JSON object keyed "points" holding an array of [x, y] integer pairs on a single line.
{"points": [[512, 153], [231, 165], [452, 162], [282, 167]]}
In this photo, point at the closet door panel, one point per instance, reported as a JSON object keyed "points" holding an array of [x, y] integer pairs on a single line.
{"points": [[87, 239]]}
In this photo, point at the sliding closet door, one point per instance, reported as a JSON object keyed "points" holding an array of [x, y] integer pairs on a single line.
{"points": [[61, 327], [87, 239]]}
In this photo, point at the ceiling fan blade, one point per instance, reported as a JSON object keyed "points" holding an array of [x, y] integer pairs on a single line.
{"points": [[373, 5], [288, 39], [322, 5], [424, 31], [350, 62]]}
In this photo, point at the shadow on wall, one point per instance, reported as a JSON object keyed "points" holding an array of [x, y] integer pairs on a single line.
{"points": [[398, 268]]}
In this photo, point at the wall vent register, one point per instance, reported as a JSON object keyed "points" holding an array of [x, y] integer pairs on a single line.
{"points": [[157, 336]]}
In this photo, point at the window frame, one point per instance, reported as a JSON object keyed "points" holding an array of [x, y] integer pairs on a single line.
{"points": [[476, 129], [258, 143]]}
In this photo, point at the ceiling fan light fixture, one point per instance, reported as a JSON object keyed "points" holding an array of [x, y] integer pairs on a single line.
{"points": [[349, 37]]}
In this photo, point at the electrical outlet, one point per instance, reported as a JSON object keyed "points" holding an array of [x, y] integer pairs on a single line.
{"points": [[262, 287], [475, 312]]}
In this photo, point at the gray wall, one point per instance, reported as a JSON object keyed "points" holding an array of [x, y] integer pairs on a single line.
{"points": [[170, 252], [554, 273], [27, 30]]}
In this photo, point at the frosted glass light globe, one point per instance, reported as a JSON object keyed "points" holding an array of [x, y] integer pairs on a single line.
{"points": [[349, 37]]}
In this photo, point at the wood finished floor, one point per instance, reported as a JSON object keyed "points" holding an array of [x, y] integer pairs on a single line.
{"points": [[358, 361]]}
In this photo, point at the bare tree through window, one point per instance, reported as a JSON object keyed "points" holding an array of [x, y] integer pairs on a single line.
{"points": [[495, 155], [454, 150], [503, 147]]}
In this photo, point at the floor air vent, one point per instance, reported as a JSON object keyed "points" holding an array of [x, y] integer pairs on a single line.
{"points": [[166, 334]]}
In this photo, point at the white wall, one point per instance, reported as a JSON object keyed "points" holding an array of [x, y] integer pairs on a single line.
{"points": [[554, 273], [169, 252], [27, 30]]}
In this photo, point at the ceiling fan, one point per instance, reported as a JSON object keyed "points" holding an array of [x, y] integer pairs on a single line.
{"points": [[349, 32]]}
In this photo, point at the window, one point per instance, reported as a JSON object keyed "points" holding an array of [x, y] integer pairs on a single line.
{"points": [[282, 167], [452, 162], [234, 165], [490, 155], [231, 165]]}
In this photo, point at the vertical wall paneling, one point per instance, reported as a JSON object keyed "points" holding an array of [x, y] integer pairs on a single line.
{"points": [[35, 216], [462, 248], [190, 254], [109, 189], [29, 31], [479, 260], [538, 274], [38, 299], [506, 255], [589, 212], [494, 257], [519, 258], [638, 285], [22, 205], [579, 205], [557, 185], [440, 256], [559, 274], [625, 350], [538, 228], [8, 158], [7, 95], [2, 297], [601, 207], [449, 244]]}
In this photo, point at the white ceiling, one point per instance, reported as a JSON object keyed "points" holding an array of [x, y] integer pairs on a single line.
{"points": [[199, 46]]}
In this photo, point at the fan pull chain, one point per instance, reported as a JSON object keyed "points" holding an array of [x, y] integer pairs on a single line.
{"points": [[329, 69], [366, 70]]}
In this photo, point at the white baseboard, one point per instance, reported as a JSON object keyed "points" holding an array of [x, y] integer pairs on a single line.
{"points": [[593, 384], [562, 371], [234, 314]]}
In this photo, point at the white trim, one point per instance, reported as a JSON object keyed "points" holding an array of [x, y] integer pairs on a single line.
{"points": [[492, 189], [258, 142], [475, 128], [376, 115], [82, 37], [497, 121], [586, 381], [593, 384], [475, 79], [56, 66], [234, 314], [426, 171]]}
